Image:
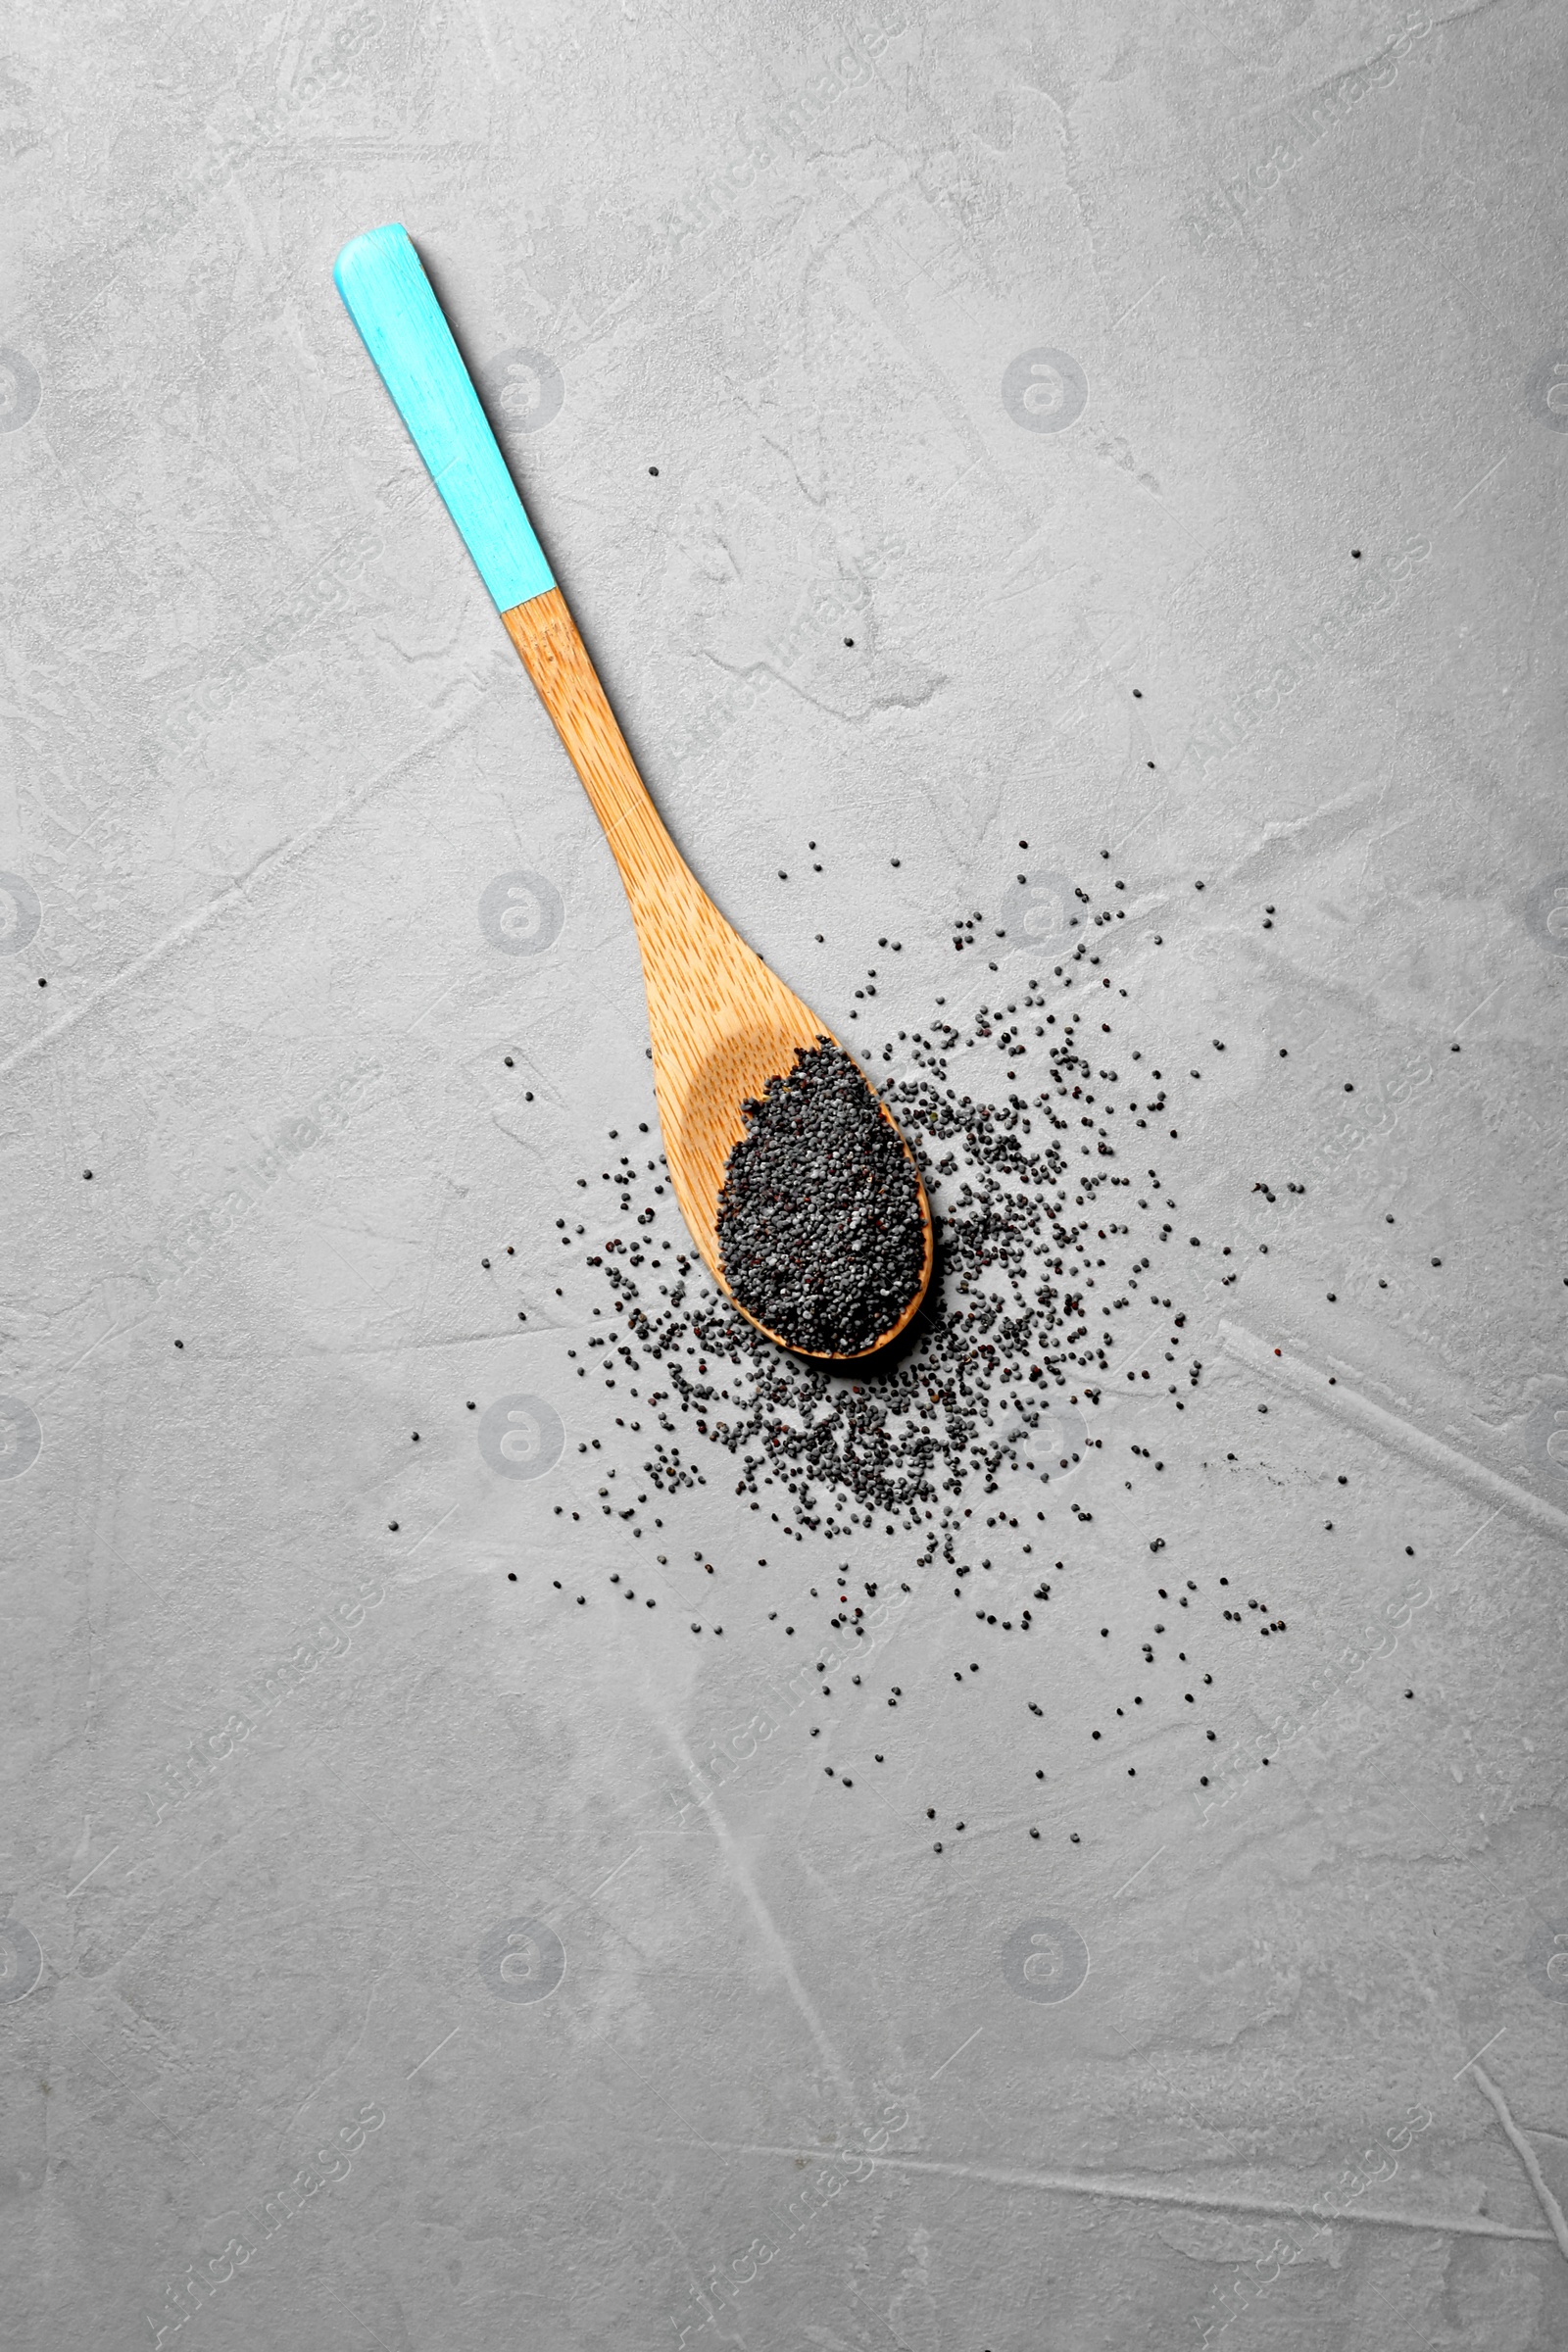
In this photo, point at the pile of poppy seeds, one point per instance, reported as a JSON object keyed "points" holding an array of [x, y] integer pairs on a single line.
{"points": [[1051, 1219], [1022, 1325], [821, 1227], [1018, 1321]]}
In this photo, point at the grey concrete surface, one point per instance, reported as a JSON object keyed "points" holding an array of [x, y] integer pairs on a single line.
{"points": [[395, 1954]]}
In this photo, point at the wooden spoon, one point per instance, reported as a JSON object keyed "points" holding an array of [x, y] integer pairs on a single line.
{"points": [[721, 1024]]}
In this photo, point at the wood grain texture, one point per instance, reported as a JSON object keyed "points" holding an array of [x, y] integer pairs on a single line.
{"points": [[722, 1023]]}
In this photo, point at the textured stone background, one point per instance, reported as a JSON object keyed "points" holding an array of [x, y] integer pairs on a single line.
{"points": [[607, 2039]]}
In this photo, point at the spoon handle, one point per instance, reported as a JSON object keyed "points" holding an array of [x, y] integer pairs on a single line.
{"points": [[569, 686], [393, 304]]}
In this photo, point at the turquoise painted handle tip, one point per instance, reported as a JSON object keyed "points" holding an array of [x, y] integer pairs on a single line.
{"points": [[392, 303]]}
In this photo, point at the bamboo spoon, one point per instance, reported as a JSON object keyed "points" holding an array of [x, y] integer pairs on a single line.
{"points": [[721, 1024]]}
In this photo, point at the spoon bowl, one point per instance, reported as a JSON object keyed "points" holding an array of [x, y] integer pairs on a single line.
{"points": [[702, 1126]]}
